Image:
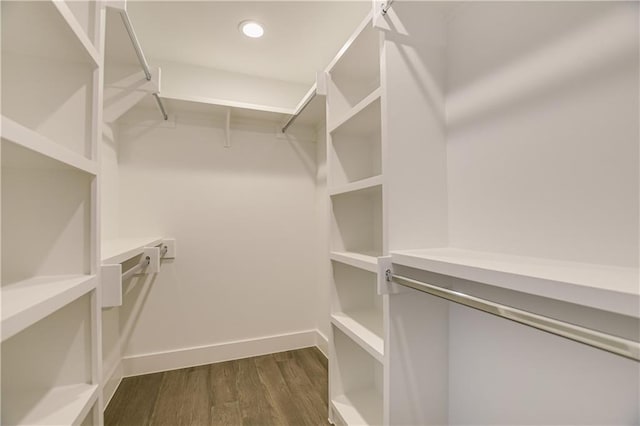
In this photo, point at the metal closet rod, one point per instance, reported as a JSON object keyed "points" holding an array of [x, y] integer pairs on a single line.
{"points": [[607, 342], [139, 267], [295, 116], [143, 61]]}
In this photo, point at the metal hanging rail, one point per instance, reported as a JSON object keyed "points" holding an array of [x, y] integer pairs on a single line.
{"points": [[295, 116], [607, 342], [141, 58], [139, 267]]}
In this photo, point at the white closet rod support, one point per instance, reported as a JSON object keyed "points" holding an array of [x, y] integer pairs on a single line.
{"points": [[607, 342], [139, 267], [141, 58], [293, 117], [386, 6]]}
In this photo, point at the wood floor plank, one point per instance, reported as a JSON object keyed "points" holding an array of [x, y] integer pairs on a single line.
{"points": [[308, 400], [277, 391], [183, 398], [254, 405], [287, 388], [316, 370], [222, 379], [226, 414], [134, 401], [283, 356]]}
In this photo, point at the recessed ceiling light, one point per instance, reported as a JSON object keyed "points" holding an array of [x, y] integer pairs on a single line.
{"points": [[251, 29]]}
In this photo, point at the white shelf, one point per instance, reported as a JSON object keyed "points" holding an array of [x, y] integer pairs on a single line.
{"points": [[364, 328], [362, 407], [62, 405], [361, 118], [35, 142], [357, 260], [315, 110], [46, 36], [359, 185], [26, 302], [610, 288], [120, 250]]}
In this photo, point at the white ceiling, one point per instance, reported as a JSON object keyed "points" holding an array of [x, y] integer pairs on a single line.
{"points": [[300, 37]]}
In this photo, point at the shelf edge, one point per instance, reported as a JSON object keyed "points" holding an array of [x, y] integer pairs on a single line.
{"points": [[35, 142], [357, 109], [29, 316], [358, 339]]}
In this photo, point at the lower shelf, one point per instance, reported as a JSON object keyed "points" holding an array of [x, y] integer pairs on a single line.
{"points": [[362, 407], [363, 327], [63, 405], [26, 302], [366, 261]]}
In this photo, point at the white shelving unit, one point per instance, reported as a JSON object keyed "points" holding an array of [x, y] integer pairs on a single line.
{"points": [[49, 293], [511, 192], [606, 287], [356, 192], [356, 381], [357, 308]]}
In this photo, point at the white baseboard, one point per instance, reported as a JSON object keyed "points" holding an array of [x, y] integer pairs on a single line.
{"points": [[111, 383], [322, 342], [200, 355]]}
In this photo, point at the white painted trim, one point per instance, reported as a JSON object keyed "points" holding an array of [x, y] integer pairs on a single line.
{"points": [[111, 382], [136, 365], [322, 343]]}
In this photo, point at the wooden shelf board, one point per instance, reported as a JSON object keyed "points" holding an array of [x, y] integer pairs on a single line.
{"points": [[26, 302], [359, 185], [368, 262], [52, 32], [358, 120], [42, 152], [122, 249], [606, 287], [365, 328], [62, 405], [361, 407]]}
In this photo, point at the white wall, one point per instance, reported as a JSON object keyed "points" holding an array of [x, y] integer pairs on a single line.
{"points": [[245, 223], [542, 130]]}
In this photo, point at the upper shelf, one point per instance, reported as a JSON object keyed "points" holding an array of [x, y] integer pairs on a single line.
{"points": [[355, 71], [611, 288], [46, 29], [120, 250], [38, 150]]}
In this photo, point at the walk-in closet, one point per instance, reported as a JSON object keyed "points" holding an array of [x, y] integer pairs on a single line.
{"points": [[295, 213]]}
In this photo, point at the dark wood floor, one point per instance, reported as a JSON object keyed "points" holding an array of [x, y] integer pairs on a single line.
{"points": [[287, 388]]}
